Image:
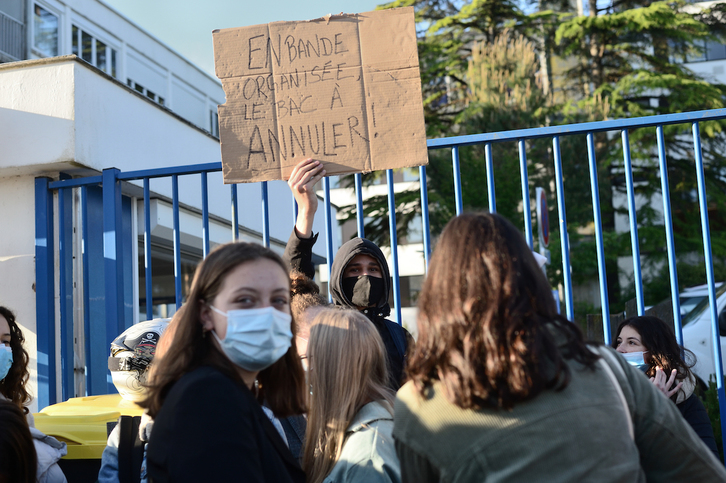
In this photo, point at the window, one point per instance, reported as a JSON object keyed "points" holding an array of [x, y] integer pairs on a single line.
{"points": [[93, 51], [45, 32], [700, 51], [213, 122], [144, 91]]}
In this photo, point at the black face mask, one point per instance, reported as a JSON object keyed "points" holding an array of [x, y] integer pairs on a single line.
{"points": [[363, 291]]}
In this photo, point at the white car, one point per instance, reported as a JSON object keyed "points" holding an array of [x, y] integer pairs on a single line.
{"points": [[697, 334]]}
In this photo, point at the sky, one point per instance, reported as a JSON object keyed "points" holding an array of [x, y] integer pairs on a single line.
{"points": [[186, 25]]}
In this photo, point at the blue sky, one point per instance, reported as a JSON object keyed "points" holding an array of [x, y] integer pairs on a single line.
{"points": [[186, 25]]}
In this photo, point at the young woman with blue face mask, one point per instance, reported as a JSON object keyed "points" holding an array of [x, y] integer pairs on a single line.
{"points": [[233, 349], [649, 344], [13, 379]]}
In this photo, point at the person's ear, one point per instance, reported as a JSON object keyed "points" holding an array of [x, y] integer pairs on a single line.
{"points": [[205, 315]]}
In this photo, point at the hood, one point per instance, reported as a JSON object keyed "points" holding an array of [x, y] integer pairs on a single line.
{"points": [[350, 249]]}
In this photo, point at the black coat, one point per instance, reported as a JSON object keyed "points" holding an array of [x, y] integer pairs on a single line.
{"points": [[298, 254], [211, 428], [695, 414]]}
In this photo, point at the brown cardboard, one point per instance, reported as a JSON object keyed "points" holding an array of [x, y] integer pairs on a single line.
{"points": [[343, 89]]}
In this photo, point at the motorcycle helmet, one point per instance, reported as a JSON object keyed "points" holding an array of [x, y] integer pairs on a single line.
{"points": [[131, 354]]}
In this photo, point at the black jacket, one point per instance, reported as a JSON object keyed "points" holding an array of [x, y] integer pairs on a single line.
{"points": [[211, 428], [298, 253], [695, 414]]}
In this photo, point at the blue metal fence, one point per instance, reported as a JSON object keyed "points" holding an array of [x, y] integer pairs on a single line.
{"points": [[113, 254]]}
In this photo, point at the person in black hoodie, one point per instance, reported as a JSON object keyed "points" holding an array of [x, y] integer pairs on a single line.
{"points": [[360, 278]]}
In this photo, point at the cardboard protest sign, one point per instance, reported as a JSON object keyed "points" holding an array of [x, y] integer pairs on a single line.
{"points": [[343, 89]]}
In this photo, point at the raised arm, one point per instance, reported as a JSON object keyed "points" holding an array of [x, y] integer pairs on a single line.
{"points": [[299, 249]]}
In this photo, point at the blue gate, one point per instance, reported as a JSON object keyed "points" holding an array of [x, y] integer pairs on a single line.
{"points": [[112, 287]]}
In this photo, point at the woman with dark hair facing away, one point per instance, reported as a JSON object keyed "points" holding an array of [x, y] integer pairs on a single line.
{"points": [[18, 462], [503, 388], [350, 424], [650, 344], [13, 379], [233, 349]]}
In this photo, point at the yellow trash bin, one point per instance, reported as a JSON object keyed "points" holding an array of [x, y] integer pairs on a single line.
{"points": [[83, 424]]}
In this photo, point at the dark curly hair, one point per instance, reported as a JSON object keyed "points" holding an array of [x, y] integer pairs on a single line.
{"points": [[304, 293], [13, 386], [488, 326], [660, 341]]}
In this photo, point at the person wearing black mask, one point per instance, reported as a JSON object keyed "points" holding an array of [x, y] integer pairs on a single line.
{"points": [[359, 275]]}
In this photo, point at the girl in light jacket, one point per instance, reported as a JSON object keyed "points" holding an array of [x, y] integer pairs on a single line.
{"points": [[350, 423]]}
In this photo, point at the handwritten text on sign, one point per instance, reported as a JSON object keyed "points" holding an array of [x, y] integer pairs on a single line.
{"points": [[345, 91]]}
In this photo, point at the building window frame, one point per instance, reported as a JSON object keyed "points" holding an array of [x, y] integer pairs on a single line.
{"points": [[108, 62], [37, 10]]}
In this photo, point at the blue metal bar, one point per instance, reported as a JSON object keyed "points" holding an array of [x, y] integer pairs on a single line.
{"points": [[205, 215], [113, 255], [75, 183], [294, 211], [635, 246], [328, 231], [235, 219], [65, 282], [177, 242], [564, 237], [45, 293], [457, 180], [583, 128], [265, 215], [174, 170], [147, 252], [85, 247], [670, 244], [394, 242], [359, 214], [425, 214], [710, 278], [602, 272], [527, 210], [491, 193]]}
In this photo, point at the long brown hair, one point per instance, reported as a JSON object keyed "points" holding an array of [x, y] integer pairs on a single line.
{"points": [[348, 370], [488, 325], [19, 459], [281, 385], [13, 386]]}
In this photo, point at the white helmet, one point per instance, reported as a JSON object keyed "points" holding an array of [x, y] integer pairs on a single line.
{"points": [[131, 354]]}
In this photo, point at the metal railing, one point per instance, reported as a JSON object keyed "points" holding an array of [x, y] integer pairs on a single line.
{"points": [[12, 38], [111, 179]]}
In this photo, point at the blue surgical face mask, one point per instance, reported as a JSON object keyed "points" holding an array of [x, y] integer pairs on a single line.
{"points": [[636, 359], [256, 338], [6, 360]]}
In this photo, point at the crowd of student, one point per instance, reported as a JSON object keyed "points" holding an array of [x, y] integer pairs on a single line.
{"points": [[257, 378]]}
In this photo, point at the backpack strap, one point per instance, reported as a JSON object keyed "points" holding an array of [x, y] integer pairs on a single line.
{"points": [[398, 335], [130, 450]]}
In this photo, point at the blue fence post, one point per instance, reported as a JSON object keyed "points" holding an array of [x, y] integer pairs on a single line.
{"points": [[235, 209], [113, 256], [45, 293], [205, 215], [86, 284], [265, 215], [359, 214], [633, 218], [65, 288], [670, 244], [602, 272], [177, 241], [564, 237], [147, 252], [425, 214], [394, 244], [710, 278], [328, 231], [491, 193], [458, 196], [527, 210]]}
